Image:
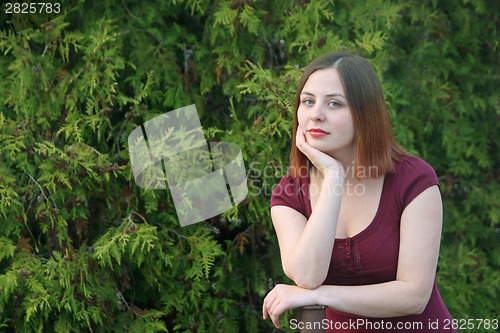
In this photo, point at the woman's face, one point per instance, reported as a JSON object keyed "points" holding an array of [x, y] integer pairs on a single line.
{"points": [[325, 116]]}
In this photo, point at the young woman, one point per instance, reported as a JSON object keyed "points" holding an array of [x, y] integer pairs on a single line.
{"points": [[358, 219]]}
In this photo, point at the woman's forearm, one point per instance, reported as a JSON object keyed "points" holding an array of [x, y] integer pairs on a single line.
{"points": [[389, 299], [383, 300], [308, 262]]}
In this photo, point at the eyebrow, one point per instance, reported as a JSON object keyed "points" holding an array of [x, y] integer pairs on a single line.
{"points": [[329, 95]]}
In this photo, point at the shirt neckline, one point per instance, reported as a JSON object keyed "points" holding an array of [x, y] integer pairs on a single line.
{"points": [[374, 222]]}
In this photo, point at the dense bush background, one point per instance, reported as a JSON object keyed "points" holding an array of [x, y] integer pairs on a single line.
{"points": [[82, 248]]}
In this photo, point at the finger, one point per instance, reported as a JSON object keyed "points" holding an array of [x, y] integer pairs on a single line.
{"points": [[300, 134], [273, 306], [301, 142], [265, 310], [298, 137], [275, 311], [275, 317], [266, 306]]}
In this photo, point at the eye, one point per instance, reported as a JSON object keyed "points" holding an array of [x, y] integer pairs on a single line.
{"points": [[307, 101], [334, 104]]}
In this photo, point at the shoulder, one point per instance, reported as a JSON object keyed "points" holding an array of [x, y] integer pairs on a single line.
{"points": [[288, 188], [413, 163], [413, 176], [410, 167], [290, 192]]}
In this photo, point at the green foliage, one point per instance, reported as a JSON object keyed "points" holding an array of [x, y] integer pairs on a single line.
{"points": [[82, 248]]}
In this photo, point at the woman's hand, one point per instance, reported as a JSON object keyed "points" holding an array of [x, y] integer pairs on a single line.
{"points": [[326, 164], [284, 297]]}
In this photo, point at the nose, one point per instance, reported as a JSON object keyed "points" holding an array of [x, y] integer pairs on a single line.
{"points": [[317, 113]]}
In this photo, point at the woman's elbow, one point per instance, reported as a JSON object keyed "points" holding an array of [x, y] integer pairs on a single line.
{"points": [[305, 280], [307, 284], [418, 305]]}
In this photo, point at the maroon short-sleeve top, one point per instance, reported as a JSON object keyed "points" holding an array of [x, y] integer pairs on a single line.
{"points": [[371, 256]]}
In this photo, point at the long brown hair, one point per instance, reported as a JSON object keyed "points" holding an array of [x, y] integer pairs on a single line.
{"points": [[376, 148]]}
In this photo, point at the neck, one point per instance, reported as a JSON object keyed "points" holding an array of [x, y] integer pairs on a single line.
{"points": [[349, 172], [347, 160]]}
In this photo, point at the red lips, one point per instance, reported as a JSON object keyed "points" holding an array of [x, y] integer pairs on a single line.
{"points": [[317, 132]]}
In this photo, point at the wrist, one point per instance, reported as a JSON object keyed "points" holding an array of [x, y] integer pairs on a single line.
{"points": [[335, 174], [330, 295], [317, 297], [333, 181]]}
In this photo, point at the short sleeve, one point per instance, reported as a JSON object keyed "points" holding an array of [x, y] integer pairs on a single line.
{"points": [[414, 176], [290, 193]]}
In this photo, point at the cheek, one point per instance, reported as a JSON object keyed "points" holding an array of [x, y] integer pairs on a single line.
{"points": [[301, 119], [346, 123], [350, 129]]}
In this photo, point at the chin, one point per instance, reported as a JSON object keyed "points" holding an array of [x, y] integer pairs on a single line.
{"points": [[323, 149]]}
